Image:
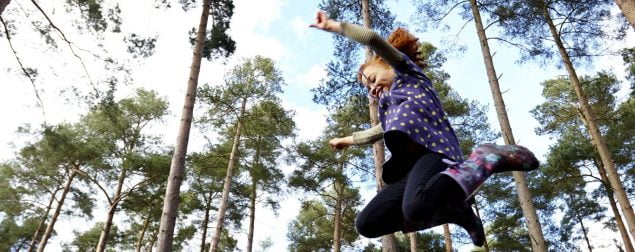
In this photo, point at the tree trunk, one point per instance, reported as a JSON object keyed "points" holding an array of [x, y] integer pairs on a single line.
{"points": [[524, 196], [208, 206], [153, 241], [228, 180], [448, 238], [3, 3], [478, 214], [252, 214], [41, 224], [58, 209], [142, 234], [112, 209], [585, 233], [628, 246], [367, 24], [337, 219], [594, 131], [389, 243], [252, 203], [171, 199], [413, 241], [628, 9], [337, 230]]}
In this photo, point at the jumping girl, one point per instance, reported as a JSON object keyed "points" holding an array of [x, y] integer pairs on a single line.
{"points": [[428, 183]]}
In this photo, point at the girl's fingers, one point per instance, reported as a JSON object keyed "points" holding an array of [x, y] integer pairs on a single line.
{"points": [[320, 20], [319, 26]]}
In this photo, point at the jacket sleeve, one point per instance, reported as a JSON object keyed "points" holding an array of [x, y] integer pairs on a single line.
{"points": [[368, 136], [371, 39]]}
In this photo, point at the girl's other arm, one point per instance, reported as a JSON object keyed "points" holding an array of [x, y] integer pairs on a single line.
{"points": [[368, 136], [362, 35]]}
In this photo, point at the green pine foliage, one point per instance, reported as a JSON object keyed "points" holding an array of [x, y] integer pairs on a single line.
{"points": [[572, 163]]}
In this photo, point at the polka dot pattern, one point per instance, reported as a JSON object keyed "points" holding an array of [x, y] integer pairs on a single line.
{"points": [[413, 107]]}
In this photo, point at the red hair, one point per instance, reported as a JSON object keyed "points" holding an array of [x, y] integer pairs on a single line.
{"points": [[405, 42]]}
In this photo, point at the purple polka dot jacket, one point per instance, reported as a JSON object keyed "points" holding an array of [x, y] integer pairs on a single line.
{"points": [[413, 107]]}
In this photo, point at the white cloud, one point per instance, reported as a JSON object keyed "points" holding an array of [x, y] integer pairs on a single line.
{"points": [[300, 27], [254, 15], [310, 122], [616, 63], [313, 77], [250, 44], [275, 227], [250, 20]]}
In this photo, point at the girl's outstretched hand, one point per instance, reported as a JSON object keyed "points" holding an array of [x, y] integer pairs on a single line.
{"points": [[340, 143], [322, 22]]}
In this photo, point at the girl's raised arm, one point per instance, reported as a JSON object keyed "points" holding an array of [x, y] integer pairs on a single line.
{"points": [[362, 35]]}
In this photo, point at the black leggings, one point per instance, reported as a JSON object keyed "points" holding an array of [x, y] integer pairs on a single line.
{"points": [[408, 199]]}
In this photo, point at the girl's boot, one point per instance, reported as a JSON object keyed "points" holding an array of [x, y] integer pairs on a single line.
{"points": [[461, 215], [486, 160], [450, 208]]}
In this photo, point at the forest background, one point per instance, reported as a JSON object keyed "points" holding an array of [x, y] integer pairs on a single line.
{"points": [[152, 51]]}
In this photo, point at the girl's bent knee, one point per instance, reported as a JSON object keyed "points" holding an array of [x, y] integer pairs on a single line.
{"points": [[411, 212], [367, 229], [415, 212]]}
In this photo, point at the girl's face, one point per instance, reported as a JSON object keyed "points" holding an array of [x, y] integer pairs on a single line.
{"points": [[377, 78]]}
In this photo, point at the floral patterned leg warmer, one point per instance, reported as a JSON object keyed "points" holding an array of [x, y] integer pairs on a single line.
{"points": [[486, 160]]}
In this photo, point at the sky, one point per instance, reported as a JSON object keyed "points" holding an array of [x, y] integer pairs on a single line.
{"points": [[277, 29]]}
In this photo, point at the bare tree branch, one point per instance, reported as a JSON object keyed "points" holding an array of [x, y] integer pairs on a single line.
{"points": [[24, 70], [129, 191], [70, 45], [462, 27], [448, 12], [565, 20], [33, 203], [511, 43], [96, 183]]}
